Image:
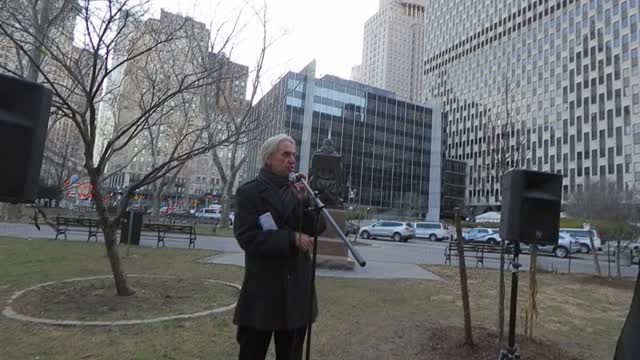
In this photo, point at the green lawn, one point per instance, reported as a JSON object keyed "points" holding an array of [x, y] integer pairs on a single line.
{"points": [[202, 229], [358, 318]]}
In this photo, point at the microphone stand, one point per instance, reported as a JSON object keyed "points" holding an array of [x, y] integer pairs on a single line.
{"points": [[319, 208]]}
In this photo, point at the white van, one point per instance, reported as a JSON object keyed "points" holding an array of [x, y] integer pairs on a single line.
{"points": [[433, 231]]}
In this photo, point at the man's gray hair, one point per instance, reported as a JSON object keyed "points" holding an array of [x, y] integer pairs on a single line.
{"points": [[270, 146]]}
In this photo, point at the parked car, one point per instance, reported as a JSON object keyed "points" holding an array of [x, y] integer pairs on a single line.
{"points": [[567, 244], [351, 228], [208, 213], [582, 235], [490, 236], [180, 213], [396, 230], [433, 231], [167, 210], [136, 208]]}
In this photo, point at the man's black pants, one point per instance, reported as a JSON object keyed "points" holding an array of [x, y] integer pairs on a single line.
{"points": [[254, 343]]}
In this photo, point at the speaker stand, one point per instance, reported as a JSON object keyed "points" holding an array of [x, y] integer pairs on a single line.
{"points": [[511, 352]]}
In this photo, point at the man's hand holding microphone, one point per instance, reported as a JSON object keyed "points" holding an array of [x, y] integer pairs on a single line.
{"points": [[303, 241]]}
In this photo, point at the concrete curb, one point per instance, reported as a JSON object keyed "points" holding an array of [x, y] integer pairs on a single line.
{"points": [[12, 314]]}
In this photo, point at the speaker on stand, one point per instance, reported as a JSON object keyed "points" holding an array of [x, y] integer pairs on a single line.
{"points": [[530, 214], [24, 114]]}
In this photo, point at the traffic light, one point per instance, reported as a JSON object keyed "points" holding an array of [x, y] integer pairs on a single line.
{"points": [[24, 114]]}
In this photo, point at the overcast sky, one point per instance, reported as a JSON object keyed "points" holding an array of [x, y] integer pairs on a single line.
{"points": [[328, 30]]}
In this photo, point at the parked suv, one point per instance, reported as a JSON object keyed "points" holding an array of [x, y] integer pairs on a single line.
{"points": [[431, 230], [582, 235], [396, 230], [208, 213], [490, 236]]}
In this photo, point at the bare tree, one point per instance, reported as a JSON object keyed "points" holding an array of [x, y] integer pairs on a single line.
{"points": [[60, 165], [116, 45], [610, 211], [507, 148], [241, 125], [464, 286]]}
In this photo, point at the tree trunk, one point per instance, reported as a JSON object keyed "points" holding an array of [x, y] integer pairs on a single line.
{"points": [[122, 286], [501, 296], [628, 346], [109, 230], [531, 312], [157, 200], [468, 337], [226, 206], [594, 251], [618, 267]]}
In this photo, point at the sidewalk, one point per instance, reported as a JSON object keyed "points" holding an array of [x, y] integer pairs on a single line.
{"points": [[233, 254], [373, 269]]}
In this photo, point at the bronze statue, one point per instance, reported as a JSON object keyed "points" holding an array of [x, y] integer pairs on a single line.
{"points": [[326, 175]]}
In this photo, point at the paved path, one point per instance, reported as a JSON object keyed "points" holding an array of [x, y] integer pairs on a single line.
{"points": [[373, 269], [385, 259]]}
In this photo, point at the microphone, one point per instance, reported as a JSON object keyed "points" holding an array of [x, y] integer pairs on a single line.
{"points": [[295, 177]]}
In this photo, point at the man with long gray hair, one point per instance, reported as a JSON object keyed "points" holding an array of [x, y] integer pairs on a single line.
{"points": [[275, 229]]}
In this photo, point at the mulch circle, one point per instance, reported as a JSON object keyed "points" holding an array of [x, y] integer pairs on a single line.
{"points": [[416, 339], [92, 301], [446, 342]]}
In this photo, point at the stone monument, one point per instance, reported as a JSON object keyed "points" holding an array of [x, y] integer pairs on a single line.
{"points": [[326, 179]]}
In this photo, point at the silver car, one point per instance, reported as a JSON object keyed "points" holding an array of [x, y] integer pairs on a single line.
{"points": [[567, 244], [396, 230]]}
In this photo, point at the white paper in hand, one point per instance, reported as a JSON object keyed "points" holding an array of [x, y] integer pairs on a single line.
{"points": [[266, 222]]}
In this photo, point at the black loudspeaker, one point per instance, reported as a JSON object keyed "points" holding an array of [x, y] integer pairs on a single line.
{"points": [[24, 115], [531, 207]]}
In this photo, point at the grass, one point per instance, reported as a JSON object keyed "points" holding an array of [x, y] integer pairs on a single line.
{"points": [[358, 318], [202, 229]]}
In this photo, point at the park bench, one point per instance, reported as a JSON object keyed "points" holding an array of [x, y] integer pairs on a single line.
{"points": [[65, 224], [171, 232], [478, 252]]}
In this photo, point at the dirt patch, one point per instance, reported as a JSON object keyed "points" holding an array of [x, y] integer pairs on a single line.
{"points": [[614, 283], [440, 341], [445, 342], [96, 299]]}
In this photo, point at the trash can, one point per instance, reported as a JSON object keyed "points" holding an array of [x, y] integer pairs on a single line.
{"points": [[131, 220]]}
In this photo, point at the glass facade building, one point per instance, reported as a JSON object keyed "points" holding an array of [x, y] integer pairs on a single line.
{"points": [[391, 149], [551, 85]]}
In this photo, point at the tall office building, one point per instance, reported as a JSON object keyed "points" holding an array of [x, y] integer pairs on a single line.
{"points": [[175, 123], [392, 53], [551, 85], [391, 149]]}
